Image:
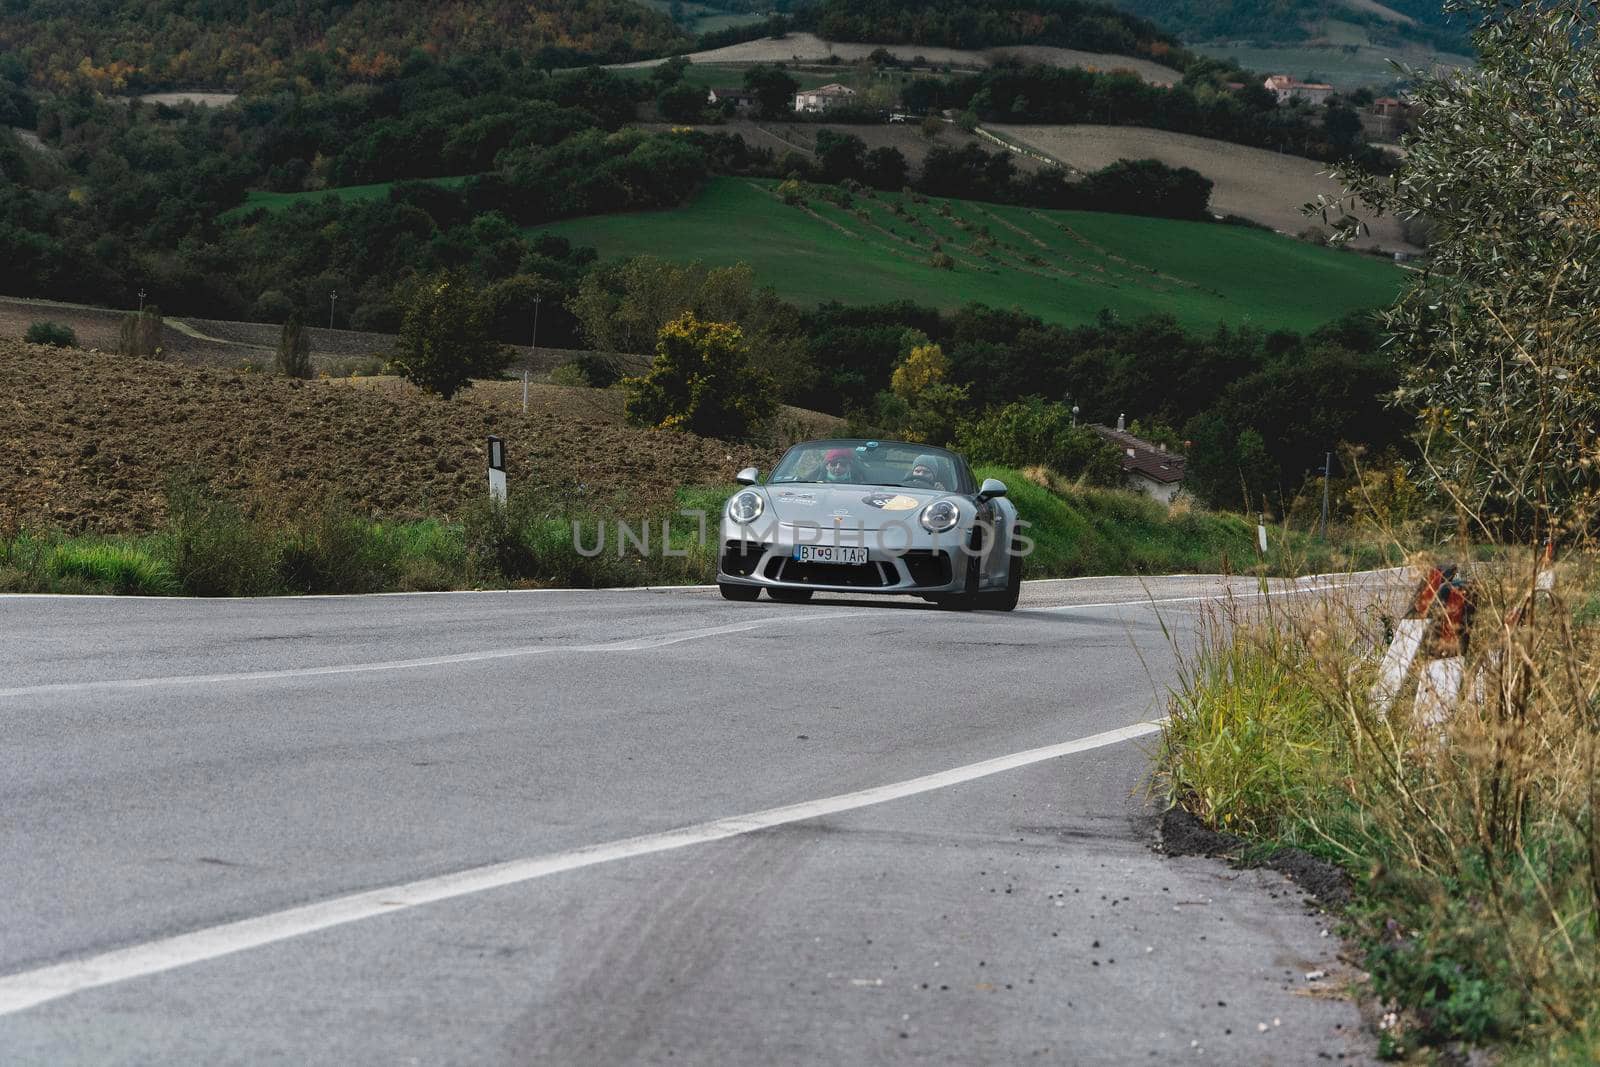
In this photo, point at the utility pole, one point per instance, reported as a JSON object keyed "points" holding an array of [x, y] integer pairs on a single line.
{"points": [[141, 301], [1327, 471], [333, 295]]}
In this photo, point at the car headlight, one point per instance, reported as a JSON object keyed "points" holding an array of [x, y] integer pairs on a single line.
{"points": [[746, 507], [941, 515]]}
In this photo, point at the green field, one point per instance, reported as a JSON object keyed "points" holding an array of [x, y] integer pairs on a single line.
{"points": [[1064, 266], [275, 202]]}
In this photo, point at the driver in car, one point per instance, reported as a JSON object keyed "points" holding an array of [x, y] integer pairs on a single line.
{"points": [[839, 465], [922, 474]]}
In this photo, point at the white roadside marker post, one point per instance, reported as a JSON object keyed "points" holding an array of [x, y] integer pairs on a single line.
{"points": [[1261, 535], [497, 470]]}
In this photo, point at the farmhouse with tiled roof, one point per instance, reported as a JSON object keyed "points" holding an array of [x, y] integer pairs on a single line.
{"points": [[823, 98], [1148, 467], [1286, 89]]}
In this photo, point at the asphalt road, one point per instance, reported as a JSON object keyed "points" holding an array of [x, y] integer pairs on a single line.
{"points": [[501, 828]]}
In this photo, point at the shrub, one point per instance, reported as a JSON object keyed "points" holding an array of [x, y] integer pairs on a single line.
{"points": [[217, 550], [51, 333], [141, 333], [942, 261], [569, 374], [1034, 431], [337, 551], [702, 382]]}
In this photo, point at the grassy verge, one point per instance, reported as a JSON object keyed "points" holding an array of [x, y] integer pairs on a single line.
{"points": [[1472, 845], [214, 545]]}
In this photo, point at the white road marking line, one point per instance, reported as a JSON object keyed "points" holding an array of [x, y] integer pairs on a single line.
{"points": [[1225, 595], [633, 644], [27, 989]]}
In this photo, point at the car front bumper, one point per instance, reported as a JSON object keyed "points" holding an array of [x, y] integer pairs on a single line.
{"points": [[918, 570]]}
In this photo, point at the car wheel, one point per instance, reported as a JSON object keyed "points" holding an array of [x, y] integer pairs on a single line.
{"points": [[790, 596], [738, 592], [1006, 599]]}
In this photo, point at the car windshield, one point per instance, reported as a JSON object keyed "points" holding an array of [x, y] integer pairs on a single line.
{"points": [[874, 463]]}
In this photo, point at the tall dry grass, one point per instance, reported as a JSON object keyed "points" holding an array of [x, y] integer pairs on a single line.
{"points": [[1473, 840]]}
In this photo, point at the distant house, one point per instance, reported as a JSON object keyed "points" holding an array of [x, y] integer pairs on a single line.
{"points": [[743, 100], [1387, 118], [824, 98], [1286, 89], [1147, 466]]}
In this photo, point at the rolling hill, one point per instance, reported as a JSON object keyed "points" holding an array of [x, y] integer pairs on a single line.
{"points": [[1348, 43], [1265, 187], [1061, 265], [809, 48]]}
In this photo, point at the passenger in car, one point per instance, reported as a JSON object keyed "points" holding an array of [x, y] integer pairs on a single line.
{"points": [[924, 474]]}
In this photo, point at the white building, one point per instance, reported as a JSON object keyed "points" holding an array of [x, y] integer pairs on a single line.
{"points": [[1286, 89], [823, 98]]}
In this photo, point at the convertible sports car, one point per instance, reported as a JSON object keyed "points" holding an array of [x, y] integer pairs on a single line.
{"points": [[853, 516]]}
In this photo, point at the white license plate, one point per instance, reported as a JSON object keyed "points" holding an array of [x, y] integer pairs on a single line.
{"points": [[829, 554]]}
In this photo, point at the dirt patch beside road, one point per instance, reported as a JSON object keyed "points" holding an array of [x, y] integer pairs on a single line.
{"points": [[90, 439]]}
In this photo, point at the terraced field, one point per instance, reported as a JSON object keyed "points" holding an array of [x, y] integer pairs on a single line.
{"points": [[1064, 266]]}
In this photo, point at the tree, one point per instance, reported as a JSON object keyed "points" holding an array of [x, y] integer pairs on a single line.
{"points": [[774, 89], [1498, 335], [294, 349], [623, 307], [840, 155], [886, 168], [1035, 431], [681, 102], [444, 338], [701, 382]]}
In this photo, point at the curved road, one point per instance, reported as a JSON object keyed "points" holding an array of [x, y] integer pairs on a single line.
{"points": [[622, 827]]}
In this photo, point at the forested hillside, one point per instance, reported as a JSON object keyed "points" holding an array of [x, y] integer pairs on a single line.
{"points": [[1288, 21], [138, 45], [1093, 27]]}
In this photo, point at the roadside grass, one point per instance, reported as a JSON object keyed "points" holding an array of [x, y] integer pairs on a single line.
{"points": [[218, 545], [1472, 846], [1064, 265], [1079, 531]]}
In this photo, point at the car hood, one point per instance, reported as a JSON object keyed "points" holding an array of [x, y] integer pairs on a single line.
{"points": [[864, 507]]}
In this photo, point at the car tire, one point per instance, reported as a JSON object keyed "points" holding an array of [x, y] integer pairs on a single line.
{"points": [[1006, 599], [738, 592], [790, 596]]}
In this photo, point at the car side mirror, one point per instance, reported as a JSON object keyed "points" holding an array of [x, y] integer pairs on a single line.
{"points": [[991, 488], [750, 475]]}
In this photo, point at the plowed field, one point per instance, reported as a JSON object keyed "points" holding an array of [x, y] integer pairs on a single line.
{"points": [[89, 440]]}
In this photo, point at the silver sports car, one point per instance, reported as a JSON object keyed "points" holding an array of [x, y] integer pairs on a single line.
{"points": [[851, 516]]}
